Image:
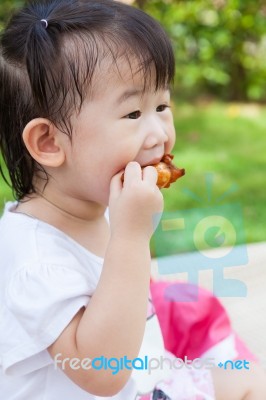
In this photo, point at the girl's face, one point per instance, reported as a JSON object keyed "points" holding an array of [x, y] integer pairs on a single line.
{"points": [[121, 123]]}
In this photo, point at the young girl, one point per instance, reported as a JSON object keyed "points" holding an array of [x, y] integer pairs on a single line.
{"points": [[84, 94]]}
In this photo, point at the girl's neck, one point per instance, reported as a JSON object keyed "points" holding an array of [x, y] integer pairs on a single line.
{"points": [[49, 210], [93, 234]]}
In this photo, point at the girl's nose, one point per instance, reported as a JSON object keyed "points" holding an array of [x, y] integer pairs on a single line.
{"points": [[156, 137]]}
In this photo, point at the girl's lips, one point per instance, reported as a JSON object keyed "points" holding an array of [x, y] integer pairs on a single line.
{"points": [[153, 161]]}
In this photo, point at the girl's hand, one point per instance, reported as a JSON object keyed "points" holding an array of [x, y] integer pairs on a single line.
{"points": [[136, 204]]}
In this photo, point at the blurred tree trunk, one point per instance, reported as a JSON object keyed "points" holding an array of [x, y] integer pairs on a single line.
{"points": [[239, 83], [141, 3]]}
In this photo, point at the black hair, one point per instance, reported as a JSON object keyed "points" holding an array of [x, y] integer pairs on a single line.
{"points": [[46, 67]]}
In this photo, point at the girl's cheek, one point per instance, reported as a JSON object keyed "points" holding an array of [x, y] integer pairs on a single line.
{"points": [[171, 141]]}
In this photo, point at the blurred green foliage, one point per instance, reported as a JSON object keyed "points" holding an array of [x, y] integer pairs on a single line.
{"points": [[6, 9], [220, 45]]}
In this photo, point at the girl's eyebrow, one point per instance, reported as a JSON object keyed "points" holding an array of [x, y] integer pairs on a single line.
{"points": [[134, 93], [127, 94]]}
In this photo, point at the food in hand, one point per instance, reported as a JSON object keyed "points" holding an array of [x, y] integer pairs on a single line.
{"points": [[168, 173]]}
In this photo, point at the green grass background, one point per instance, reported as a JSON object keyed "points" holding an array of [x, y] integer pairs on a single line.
{"points": [[222, 147]]}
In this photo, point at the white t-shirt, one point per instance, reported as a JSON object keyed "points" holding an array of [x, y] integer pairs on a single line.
{"points": [[46, 277]]}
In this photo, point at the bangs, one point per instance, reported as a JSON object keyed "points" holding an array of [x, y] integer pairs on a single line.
{"points": [[139, 40], [145, 39], [147, 51]]}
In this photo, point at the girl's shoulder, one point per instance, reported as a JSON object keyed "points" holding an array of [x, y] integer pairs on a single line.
{"points": [[27, 242]]}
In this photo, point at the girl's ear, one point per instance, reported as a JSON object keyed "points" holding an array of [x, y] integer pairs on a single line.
{"points": [[44, 142]]}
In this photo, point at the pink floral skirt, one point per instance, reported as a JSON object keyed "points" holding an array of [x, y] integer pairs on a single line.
{"points": [[191, 327], [184, 384]]}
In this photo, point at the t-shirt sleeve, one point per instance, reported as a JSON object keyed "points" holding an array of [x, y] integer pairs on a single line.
{"points": [[40, 302]]}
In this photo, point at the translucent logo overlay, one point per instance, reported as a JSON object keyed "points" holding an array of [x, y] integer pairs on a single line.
{"points": [[208, 237]]}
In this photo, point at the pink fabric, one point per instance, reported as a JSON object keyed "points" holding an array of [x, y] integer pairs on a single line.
{"points": [[192, 319]]}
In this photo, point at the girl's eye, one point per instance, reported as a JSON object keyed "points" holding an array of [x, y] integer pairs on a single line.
{"points": [[134, 115], [162, 107]]}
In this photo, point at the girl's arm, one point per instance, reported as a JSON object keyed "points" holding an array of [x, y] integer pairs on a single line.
{"points": [[113, 323]]}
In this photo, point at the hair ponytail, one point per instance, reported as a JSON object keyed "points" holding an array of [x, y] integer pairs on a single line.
{"points": [[40, 56]]}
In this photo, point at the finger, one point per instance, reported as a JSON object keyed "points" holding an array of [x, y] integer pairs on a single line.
{"points": [[132, 173], [116, 185], [150, 174]]}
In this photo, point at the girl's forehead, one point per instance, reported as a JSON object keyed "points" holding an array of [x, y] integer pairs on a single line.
{"points": [[124, 72]]}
